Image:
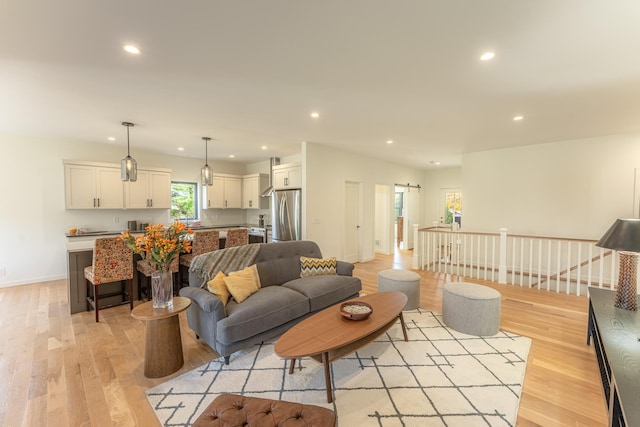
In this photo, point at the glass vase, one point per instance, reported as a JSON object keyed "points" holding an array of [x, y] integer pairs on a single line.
{"points": [[162, 289]]}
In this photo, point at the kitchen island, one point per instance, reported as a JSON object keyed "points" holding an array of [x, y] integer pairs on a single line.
{"points": [[80, 255]]}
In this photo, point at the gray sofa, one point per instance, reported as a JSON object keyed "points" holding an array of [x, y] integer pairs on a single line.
{"points": [[283, 300]]}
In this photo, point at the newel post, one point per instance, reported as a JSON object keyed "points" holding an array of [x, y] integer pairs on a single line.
{"points": [[502, 268], [417, 247]]}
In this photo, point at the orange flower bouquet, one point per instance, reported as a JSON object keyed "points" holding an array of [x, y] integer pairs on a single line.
{"points": [[160, 245]]}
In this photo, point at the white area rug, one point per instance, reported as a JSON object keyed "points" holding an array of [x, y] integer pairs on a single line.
{"points": [[440, 377]]}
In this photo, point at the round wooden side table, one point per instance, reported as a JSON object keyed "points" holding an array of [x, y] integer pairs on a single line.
{"points": [[163, 343]]}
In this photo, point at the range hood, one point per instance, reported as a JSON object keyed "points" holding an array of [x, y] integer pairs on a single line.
{"points": [[274, 161]]}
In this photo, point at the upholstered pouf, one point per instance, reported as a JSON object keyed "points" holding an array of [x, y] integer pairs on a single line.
{"points": [[231, 410], [403, 281], [471, 309]]}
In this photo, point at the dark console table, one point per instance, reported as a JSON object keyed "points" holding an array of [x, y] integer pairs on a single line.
{"points": [[616, 338]]}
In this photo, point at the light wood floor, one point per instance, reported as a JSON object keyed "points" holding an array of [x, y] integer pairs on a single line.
{"points": [[59, 369]]}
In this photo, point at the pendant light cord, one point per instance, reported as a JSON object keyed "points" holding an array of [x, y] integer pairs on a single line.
{"points": [[128, 152], [206, 140]]}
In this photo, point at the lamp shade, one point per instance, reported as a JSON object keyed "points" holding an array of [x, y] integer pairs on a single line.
{"points": [[206, 175], [206, 172], [129, 166], [623, 235], [129, 169]]}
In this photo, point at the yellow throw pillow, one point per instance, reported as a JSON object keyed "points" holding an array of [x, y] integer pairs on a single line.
{"points": [[317, 266], [243, 283], [218, 287]]}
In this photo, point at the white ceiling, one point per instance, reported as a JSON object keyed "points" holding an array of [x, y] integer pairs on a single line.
{"points": [[248, 73]]}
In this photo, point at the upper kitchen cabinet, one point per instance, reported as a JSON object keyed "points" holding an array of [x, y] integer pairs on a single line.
{"points": [[225, 193], [286, 177], [252, 186], [152, 189], [92, 186]]}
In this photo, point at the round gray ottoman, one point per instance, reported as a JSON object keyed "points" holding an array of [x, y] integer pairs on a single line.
{"points": [[471, 309], [403, 281]]}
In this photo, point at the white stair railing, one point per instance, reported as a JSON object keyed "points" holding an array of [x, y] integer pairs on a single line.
{"points": [[555, 264]]}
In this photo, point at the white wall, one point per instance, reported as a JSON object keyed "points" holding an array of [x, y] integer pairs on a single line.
{"points": [[571, 189], [567, 189], [33, 219], [384, 216], [325, 171]]}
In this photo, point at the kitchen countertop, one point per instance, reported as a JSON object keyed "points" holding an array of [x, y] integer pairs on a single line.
{"points": [[84, 241], [200, 227]]}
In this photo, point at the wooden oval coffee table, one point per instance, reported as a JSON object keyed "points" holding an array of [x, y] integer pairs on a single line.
{"points": [[163, 342], [327, 336]]}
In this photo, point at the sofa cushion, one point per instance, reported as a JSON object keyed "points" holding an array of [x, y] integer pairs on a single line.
{"points": [[317, 266], [218, 287], [324, 291], [266, 309], [279, 262], [243, 283]]}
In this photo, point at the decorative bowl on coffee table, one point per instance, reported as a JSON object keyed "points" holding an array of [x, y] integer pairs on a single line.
{"points": [[355, 310]]}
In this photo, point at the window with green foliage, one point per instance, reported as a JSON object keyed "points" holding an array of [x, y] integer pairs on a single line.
{"points": [[184, 200], [453, 207]]}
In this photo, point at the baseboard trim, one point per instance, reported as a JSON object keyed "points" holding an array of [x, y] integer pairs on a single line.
{"points": [[32, 281]]}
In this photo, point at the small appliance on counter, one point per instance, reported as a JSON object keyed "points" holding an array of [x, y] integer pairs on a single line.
{"points": [[144, 225], [132, 225], [257, 235]]}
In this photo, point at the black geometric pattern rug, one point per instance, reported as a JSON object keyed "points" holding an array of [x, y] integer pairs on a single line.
{"points": [[440, 377]]}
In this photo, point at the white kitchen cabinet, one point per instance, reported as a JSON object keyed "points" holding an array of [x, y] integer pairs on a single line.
{"points": [[93, 186], [225, 193], [152, 189], [287, 176], [252, 186]]}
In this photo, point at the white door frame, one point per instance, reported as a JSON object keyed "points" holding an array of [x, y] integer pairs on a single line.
{"points": [[352, 214]]}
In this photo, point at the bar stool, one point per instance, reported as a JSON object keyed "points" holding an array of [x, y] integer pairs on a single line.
{"points": [[145, 268], [112, 262], [203, 241], [237, 237]]}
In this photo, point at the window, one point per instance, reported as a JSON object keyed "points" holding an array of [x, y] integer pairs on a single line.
{"points": [[184, 200], [453, 207]]}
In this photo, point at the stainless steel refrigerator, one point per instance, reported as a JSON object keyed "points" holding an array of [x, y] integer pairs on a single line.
{"points": [[286, 214]]}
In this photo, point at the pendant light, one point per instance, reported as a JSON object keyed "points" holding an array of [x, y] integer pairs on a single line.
{"points": [[206, 173], [129, 166]]}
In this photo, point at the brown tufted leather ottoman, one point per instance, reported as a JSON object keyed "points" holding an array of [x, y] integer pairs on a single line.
{"points": [[232, 410]]}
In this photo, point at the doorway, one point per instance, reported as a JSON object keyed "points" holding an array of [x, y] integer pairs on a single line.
{"points": [[406, 212]]}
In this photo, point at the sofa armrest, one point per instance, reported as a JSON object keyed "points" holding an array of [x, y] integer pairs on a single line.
{"points": [[344, 268], [206, 300]]}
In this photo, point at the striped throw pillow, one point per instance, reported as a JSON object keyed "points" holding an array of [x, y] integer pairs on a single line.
{"points": [[317, 266]]}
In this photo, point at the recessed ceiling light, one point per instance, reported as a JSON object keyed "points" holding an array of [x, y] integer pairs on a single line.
{"points": [[315, 115], [390, 141], [231, 156], [111, 138], [264, 147], [132, 49], [487, 56], [180, 148], [518, 118], [434, 163]]}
